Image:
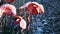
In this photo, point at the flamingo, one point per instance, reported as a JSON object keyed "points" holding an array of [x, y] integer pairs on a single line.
{"points": [[32, 8], [9, 9]]}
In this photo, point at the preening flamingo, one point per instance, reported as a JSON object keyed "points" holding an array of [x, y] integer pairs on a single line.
{"points": [[32, 8]]}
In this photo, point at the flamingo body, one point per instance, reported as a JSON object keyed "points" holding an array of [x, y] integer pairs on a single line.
{"points": [[8, 9]]}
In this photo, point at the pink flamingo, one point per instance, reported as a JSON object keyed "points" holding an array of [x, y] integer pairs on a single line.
{"points": [[9, 9], [32, 8]]}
